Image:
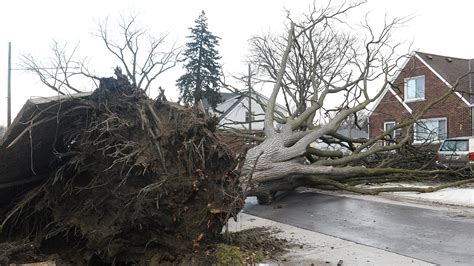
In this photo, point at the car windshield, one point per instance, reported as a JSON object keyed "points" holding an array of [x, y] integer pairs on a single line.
{"points": [[455, 145]]}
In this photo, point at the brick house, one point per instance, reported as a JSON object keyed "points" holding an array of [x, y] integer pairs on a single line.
{"points": [[425, 77]]}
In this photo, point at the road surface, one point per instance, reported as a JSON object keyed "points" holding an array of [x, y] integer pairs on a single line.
{"points": [[426, 234]]}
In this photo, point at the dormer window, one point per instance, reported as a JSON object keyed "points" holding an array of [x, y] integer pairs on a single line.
{"points": [[415, 89]]}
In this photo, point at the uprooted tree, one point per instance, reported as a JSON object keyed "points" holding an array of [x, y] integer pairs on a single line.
{"points": [[315, 61], [112, 176], [116, 177]]}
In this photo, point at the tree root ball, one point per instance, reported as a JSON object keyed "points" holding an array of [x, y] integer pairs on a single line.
{"points": [[134, 179]]}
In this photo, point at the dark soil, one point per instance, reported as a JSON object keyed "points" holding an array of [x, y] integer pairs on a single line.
{"points": [[245, 247], [134, 181], [260, 238]]}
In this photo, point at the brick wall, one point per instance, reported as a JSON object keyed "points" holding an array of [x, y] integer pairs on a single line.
{"points": [[453, 108]]}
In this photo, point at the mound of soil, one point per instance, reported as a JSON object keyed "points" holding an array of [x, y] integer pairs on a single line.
{"points": [[129, 180]]}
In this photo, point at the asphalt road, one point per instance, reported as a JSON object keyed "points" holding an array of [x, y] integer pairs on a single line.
{"points": [[425, 234]]}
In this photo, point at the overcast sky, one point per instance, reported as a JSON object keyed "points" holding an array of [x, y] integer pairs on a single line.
{"points": [[440, 27]]}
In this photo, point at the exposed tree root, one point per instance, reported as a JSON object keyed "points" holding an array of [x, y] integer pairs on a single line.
{"points": [[132, 179]]}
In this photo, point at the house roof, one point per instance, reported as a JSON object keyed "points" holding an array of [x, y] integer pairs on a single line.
{"points": [[449, 69], [233, 100], [224, 108], [224, 97]]}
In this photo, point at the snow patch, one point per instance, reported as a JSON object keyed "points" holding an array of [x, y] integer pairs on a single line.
{"points": [[454, 196]]}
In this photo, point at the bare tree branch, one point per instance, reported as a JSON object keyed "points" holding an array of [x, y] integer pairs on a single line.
{"points": [[142, 56]]}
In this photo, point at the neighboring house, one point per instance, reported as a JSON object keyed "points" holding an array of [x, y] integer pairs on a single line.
{"points": [[234, 111], [234, 114], [225, 96], [423, 78]]}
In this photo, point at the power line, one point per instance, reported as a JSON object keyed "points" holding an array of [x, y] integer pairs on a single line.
{"points": [[45, 68]]}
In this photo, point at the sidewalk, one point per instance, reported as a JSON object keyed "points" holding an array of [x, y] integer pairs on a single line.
{"points": [[318, 249]]}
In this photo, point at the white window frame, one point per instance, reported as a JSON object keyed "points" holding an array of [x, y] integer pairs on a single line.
{"points": [[405, 91], [392, 135], [415, 139], [394, 123]]}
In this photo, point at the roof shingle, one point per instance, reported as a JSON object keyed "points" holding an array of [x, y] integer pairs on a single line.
{"points": [[451, 69]]}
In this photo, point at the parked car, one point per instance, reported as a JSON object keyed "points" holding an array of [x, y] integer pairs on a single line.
{"points": [[456, 153]]}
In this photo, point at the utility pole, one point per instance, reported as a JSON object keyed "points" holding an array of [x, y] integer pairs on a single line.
{"points": [[250, 101], [9, 92]]}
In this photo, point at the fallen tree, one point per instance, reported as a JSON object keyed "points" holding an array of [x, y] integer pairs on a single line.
{"points": [[316, 61], [113, 177]]}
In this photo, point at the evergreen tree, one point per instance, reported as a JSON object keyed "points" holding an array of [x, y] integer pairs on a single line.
{"points": [[203, 73]]}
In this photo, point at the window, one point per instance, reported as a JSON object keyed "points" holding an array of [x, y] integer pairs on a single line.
{"points": [[415, 88], [429, 130], [455, 145], [386, 127]]}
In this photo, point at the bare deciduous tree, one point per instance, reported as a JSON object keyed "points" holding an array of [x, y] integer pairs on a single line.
{"points": [[142, 57], [319, 61], [58, 71]]}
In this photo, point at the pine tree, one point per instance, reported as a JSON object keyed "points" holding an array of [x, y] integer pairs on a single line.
{"points": [[203, 72]]}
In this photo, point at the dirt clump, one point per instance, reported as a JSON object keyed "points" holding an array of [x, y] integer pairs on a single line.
{"points": [[129, 180]]}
